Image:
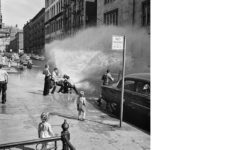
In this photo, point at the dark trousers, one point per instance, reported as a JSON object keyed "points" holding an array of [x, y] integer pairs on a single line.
{"points": [[46, 85], [54, 87], [100, 98], [3, 88], [67, 89]]}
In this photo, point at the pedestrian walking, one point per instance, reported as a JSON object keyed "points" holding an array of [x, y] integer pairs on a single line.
{"points": [[45, 129], [106, 78], [81, 106], [47, 80], [3, 83]]}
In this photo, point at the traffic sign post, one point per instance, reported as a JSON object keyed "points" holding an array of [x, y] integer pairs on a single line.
{"points": [[119, 43]]}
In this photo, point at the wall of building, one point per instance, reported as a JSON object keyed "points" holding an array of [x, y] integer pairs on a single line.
{"points": [[34, 34], [17, 42], [130, 12], [53, 19], [19, 37], [65, 17]]}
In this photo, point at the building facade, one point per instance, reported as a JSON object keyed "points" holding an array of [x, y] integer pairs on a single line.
{"points": [[10, 36], [34, 34], [53, 19], [64, 17], [17, 44], [79, 14], [124, 12]]}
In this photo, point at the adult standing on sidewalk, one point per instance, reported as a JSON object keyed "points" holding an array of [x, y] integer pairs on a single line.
{"points": [[3, 83], [106, 80], [46, 80], [107, 77]]}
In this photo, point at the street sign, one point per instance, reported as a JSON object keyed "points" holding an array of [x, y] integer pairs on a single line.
{"points": [[117, 42]]}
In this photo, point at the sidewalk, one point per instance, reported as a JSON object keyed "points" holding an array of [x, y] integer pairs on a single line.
{"points": [[101, 132]]}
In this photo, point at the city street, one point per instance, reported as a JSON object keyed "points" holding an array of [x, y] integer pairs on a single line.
{"points": [[20, 117]]}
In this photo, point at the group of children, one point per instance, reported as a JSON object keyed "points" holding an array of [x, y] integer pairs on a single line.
{"points": [[56, 79]]}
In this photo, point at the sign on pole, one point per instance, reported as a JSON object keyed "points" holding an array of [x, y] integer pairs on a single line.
{"points": [[119, 43]]}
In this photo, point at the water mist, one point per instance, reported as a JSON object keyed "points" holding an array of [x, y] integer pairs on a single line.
{"points": [[86, 55]]}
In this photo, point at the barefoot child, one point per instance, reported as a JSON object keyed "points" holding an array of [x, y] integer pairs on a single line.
{"points": [[81, 106], [45, 129]]}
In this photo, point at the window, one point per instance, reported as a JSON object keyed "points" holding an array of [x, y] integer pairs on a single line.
{"points": [[129, 85], [108, 1], [146, 13], [111, 17]]}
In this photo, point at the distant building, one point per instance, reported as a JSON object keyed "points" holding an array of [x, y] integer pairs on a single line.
{"points": [[124, 12], [7, 34], [34, 34], [17, 43]]}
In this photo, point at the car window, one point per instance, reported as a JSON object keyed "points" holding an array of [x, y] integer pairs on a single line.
{"points": [[143, 87], [129, 85]]}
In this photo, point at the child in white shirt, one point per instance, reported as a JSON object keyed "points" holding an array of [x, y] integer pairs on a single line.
{"points": [[45, 129], [81, 106]]}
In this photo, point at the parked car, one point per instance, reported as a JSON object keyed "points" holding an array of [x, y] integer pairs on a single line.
{"points": [[136, 96], [26, 61]]}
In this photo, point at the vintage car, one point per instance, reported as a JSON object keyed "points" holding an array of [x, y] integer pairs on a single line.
{"points": [[136, 96]]}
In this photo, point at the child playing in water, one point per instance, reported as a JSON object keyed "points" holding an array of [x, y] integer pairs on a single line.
{"points": [[81, 106], [45, 129]]}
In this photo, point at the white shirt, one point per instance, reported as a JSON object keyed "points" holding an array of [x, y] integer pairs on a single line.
{"points": [[55, 76], [3, 75], [45, 130]]}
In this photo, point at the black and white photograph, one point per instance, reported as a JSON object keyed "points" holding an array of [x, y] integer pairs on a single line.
{"points": [[75, 74]]}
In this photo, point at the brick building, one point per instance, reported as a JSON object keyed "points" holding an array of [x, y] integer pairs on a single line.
{"points": [[124, 12], [34, 34]]}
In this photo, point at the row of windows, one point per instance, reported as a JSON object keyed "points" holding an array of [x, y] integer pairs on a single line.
{"points": [[146, 13], [48, 3], [111, 17], [54, 10], [54, 26], [108, 1]]}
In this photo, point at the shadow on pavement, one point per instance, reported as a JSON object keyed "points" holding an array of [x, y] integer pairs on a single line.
{"points": [[39, 93], [3, 109], [76, 118]]}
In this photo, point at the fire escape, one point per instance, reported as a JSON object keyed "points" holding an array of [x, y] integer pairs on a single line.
{"points": [[67, 17]]}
